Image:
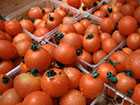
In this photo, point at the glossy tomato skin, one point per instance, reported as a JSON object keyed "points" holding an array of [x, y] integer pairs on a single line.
{"points": [[35, 13], [137, 14], [13, 27], [88, 83], [66, 28], [10, 97], [104, 36], [74, 75], [127, 22], [74, 3], [125, 83], [136, 94], [65, 54], [57, 84], [116, 16], [40, 23], [7, 50], [25, 83], [37, 98], [117, 36], [127, 10], [73, 97]]}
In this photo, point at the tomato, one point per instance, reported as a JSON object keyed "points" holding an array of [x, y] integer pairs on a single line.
{"points": [[97, 56], [66, 28], [91, 42], [19, 104], [73, 97], [88, 83], [84, 55], [65, 54], [68, 20], [35, 13], [5, 83], [74, 3], [100, 14], [104, 36], [133, 41], [127, 10], [127, 22], [2, 24], [71, 38], [13, 27], [74, 75], [47, 9], [121, 1], [38, 23], [106, 8], [37, 57], [26, 83], [117, 36], [104, 69], [5, 36], [80, 29], [134, 3], [109, 44], [55, 82], [107, 25], [27, 24], [85, 22], [89, 3], [136, 94], [40, 31], [7, 50], [22, 43], [92, 29], [117, 59], [61, 11], [37, 98], [24, 68], [116, 16], [6, 66], [137, 14], [127, 50], [10, 97], [125, 83]]}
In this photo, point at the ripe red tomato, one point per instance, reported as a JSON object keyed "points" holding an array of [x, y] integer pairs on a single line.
{"points": [[134, 3], [133, 41], [74, 76], [85, 22], [73, 97], [22, 43], [136, 94], [7, 50], [10, 97], [35, 13], [40, 31], [137, 14], [13, 27], [97, 56], [61, 11], [127, 50], [109, 44], [104, 69], [37, 98], [38, 23], [88, 83], [92, 29], [80, 29], [65, 54], [26, 83], [127, 22], [91, 42], [116, 16], [24, 68], [38, 58], [55, 82], [121, 1], [27, 24], [68, 20], [88, 3], [19, 103], [125, 83], [5, 36], [74, 3], [104, 36], [100, 13], [66, 28], [117, 36], [127, 10], [2, 24], [6, 66]]}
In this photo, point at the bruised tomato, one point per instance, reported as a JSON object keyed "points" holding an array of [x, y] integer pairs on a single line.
{"points": [[74, 75], [80, 29], [85, 22], [88, 83], [7, 50], [91, 42], [137, 14], [74, 3], [37, 98], [13, 27], [136, 94], [55, 82], [127, 10], [65, 54], [10, 97], [66, 28], [104, 36], [127, 25], [40, 31], [117, 36], [26, 83], [73, 97]]}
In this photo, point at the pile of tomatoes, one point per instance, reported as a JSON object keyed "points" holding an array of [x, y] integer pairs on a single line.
{"points": [[48, 72]]}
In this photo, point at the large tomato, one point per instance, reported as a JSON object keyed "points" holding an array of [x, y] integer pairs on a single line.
{"points": [[104, 36], [127, 10], [55, 82], [100, 13], [37, 98], [92, 29], [73, 97], [61, 11], [116, 16], [5, 36], [136, 94], [74, 3], [80, 29], [137, 14], [66, 28]]}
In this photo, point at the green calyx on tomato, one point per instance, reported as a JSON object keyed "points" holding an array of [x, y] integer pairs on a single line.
{"points": [[50, 73], [34, 46], [35, 72], [59, 36], [130, 92], [112, 78], [113, 63], [89, 36], [128, 73], [109, 9], [95, 74], [79, 51], [5, 80]]}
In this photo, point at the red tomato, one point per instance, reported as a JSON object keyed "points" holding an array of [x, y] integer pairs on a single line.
{"points": [[38, 23], [74, 3], [73, 97], [88, 83], [24, 68], [104, 36], [26, 83], [40, 31], [109, 44], [74, 76], [117, 36], [68, 20], [7, 50], [127, 10], [127, 50], [65, 54], [97, 56], [55, 82], [121, 1], [116, 16], [61, 11], [85, 22], [10, 97], [92, 29], [136, 94], [100, 14], [80, 29], [5, 36], [37, 98], [134, 3], [91, 42], [35, 13], [88, 3], [137, 14], [66, 28], [133, 41], [127, 22], [2, 24], [13, 27]]}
